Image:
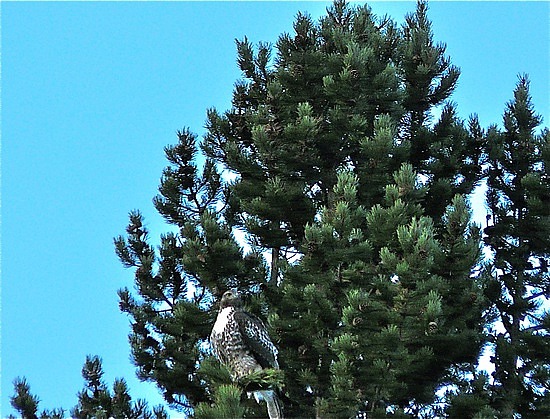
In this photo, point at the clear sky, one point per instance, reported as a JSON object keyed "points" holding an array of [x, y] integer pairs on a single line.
{"points": [[92, 92]]}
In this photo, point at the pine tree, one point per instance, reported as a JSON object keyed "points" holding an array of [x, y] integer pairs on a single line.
{"points": [[172, 318], [23, 401], [518, 197], [384, 301], [446, 153], [94, 401], [359, 253]]}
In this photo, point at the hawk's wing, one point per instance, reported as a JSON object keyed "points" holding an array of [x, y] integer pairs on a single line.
{"points": [[255, 336]]}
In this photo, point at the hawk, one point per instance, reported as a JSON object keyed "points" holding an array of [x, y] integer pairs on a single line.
{"points": [[241, 342]]}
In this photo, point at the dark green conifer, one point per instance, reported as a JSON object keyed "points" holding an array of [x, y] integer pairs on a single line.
{"points": [[360, 254], [98, 402], [519, 236], [23, 401], [95, 401]]}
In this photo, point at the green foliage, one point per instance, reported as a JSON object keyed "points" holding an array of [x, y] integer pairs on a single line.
{"points": [[94, 401], [26, 404], [519, 236], [268, 378], [471, 400], [360, 255], [23, 401], [355, 244], [226, 397], [97, 401], [226, 404]]}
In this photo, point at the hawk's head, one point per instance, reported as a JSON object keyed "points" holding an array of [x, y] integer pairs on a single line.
{"points": [[230, 298]]}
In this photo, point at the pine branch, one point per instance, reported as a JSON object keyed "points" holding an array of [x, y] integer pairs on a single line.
{"points": [[268, 378]]}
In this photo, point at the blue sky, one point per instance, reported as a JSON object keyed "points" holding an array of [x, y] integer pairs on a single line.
{"points": [[92, 92]]}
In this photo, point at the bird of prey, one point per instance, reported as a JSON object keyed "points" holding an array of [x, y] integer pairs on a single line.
{"points": [[241, 342]]}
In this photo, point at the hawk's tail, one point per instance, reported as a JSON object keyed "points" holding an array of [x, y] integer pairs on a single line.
{"points": [[273, 404]]}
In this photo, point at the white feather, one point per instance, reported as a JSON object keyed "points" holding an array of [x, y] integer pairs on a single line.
{"points": [[221, 320]]}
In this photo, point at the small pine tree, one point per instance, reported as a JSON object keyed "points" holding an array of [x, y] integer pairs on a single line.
{"points": [[23, 401], [94, 401]]}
